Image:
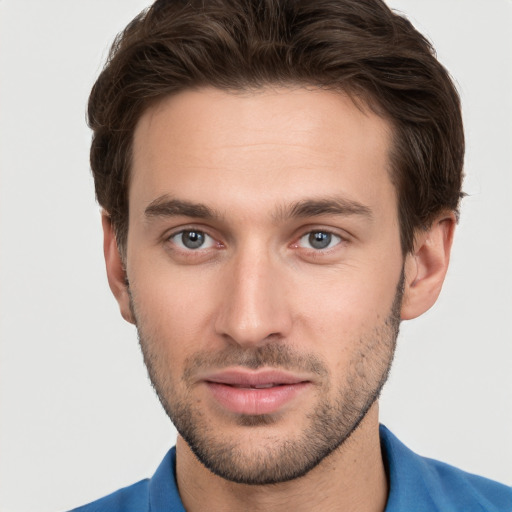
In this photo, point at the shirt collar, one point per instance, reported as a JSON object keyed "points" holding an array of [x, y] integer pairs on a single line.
{"points": [[415, 483]]}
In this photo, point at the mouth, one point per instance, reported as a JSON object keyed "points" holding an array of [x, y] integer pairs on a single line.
{"points": [[258, 386], [254, 393]]}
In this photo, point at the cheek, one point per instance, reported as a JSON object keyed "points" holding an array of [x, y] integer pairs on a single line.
{"points": [[173, 309], [344, 309], [352, 297]]}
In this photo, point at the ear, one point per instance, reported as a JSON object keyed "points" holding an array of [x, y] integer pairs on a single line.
{"points": [[116, 272], [426, 266]]}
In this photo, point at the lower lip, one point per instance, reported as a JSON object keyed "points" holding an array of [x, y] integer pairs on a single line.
{"points": [[255, 401]]}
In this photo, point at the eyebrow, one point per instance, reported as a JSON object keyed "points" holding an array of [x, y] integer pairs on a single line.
{"points": [[165, 206], [328, 206]]}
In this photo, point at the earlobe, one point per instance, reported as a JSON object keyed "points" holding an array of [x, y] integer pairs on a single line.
{"points": [[426, 266], [116, 272]]}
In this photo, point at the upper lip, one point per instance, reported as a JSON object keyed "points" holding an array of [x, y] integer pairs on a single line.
{"points": [[246, 378]]}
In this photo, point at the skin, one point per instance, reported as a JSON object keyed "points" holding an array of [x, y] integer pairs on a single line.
{"points": [[248, 160]]}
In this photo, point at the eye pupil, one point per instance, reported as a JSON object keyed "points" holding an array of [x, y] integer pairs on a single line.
{"points": [[320, 240], [192, 239]]}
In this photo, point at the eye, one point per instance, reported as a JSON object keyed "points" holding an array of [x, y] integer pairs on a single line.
{"points": [[192, 239], [319, 240]]}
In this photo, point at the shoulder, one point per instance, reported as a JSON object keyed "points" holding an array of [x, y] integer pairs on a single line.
{"points": [[133, 498], [427, 485], [463, 490], [157, 494]]}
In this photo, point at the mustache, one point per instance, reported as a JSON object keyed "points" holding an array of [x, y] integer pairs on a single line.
{"points": [[270, 355]]}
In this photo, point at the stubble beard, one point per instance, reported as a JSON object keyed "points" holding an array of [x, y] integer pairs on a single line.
{"points": [[330, 423]]}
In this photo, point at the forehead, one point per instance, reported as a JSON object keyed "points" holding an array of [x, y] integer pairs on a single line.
{"points": [[266, 145]]}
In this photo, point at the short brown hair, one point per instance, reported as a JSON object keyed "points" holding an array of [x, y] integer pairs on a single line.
{"points": [[359, 47]]}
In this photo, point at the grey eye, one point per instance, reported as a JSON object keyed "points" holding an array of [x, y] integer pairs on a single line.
{"points": [[319, 240], [192, 239]]}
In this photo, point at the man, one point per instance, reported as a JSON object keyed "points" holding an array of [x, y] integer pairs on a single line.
{"points": [[280, 183]]}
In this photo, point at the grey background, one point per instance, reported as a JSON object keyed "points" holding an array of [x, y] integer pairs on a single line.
{"points": [[78, 418]]}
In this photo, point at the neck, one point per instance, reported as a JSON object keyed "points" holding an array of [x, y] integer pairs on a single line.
{"points": [[351, 478]]}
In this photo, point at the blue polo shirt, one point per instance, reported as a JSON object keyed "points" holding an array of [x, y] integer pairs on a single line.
{"points": [[416, 484]]}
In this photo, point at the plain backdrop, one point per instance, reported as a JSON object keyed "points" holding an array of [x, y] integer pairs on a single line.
{"points": [[78, 416]]}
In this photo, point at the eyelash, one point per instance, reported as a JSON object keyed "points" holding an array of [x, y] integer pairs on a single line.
{"points": [[200, 232], [213, 243], [330, 236]]}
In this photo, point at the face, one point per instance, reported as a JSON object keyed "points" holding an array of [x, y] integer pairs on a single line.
{"points": [[265, 272]]}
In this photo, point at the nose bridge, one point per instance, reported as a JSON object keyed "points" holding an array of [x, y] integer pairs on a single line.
{"points": [[254, 307]]}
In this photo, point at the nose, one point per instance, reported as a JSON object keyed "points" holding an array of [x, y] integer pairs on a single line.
{"points": [[254, 308]]}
